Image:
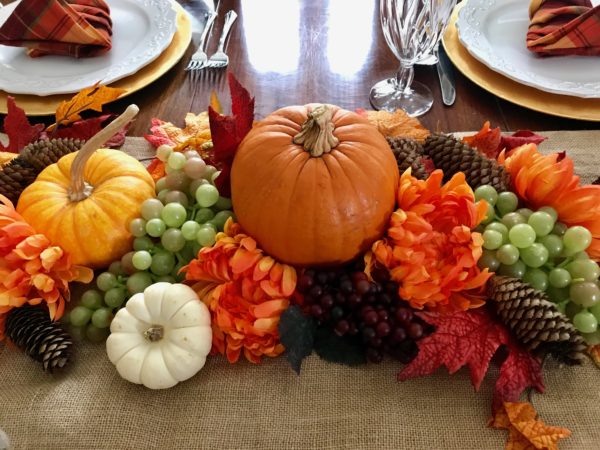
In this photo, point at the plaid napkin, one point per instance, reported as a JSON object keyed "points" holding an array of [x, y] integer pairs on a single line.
{"points": [[564, 27], [78, 28]]}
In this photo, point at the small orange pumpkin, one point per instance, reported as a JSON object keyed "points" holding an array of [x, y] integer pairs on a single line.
{"points": [[314, 184], [85, 202]]}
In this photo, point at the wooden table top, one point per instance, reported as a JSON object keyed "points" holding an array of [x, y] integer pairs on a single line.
{"points": [[299, 51]]}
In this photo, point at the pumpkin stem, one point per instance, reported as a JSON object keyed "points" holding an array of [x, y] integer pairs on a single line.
{"points": [[79, 189], [316, 135], [154, 333]]}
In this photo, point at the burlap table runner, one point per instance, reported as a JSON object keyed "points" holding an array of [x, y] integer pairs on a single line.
{"points": [[268, 407]]}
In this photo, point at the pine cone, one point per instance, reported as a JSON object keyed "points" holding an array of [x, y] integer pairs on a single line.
{"points": [[14, 177], [596, 181], [408, 153], [31, 329], [42, 153], [535, 321], [452, 156]]}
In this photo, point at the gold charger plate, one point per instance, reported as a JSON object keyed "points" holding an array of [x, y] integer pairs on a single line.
{"points": [[42, 106], [507, 89]]}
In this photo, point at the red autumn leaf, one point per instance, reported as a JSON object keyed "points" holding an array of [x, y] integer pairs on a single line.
{"points": [[487, 140], [471, 338], [427, 163], [20, 132], [156, 169], [228, 131], [85, 129], [519, 371], [158, 135], [463, 338], [519, 138]]}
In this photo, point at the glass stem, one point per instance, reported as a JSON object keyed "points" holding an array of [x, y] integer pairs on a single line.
{"points": [[404, 77]]}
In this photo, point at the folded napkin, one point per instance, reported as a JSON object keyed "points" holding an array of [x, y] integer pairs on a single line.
{"points": [[78, 28], [564, 27]]}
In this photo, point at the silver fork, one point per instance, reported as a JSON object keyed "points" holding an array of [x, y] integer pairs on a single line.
{"points": [[199, 58], [219, 58]]}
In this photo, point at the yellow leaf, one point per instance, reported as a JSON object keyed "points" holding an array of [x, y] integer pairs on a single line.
{"points": [[398, 124], [215, 103], [195, 133], [92, 98]]}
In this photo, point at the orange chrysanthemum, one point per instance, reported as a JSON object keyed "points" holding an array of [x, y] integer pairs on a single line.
{"points": [[246, 292], [549, 180], [31, 269], [430, 249]]}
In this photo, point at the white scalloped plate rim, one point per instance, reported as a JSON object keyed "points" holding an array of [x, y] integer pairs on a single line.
{"points": [[158, 28], [475, 13]]}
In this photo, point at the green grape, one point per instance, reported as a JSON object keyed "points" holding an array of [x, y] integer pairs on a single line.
{"points": [[222, 216], [559, 277], [194, 168], [116, 268], [581, 255], [162, 263], [162, 196], [115, 297], [143, 243], [174, 214], [507, 202], [206, 235], [521, 235], [592, 338], [525, 212], [163, 152], [585, 322], [177, 197], [138, 282], [191, 154], [141, 260], [572, 309], [187, 252], [584, 293], [65, 319], [196, 246], [562, 307], [173, 240], [537, 278], [487, 193], [203, 215], [209, 171], [541, 222], [167, 279], [126, 263], [551, 211], [534, 256], [77, 333], [559, 229], [577, 239], [175, 272], [95, 334], [491, 239], [151, 208], [595, 310], [508, 254], [137, 227], [156, 227], [80, 316], [516, 270], [91, 299], [585, 269], [176, 160], [178, 181], [160, 185], [489, 261], [207, 195], [224, 203], [499, 227], [489, 215], [553, 244], [106, 281], [511, 219], [212, 224], [189, 230], [194, 186], [214, 176]]}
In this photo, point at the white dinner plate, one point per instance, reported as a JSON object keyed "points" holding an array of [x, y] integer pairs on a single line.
{"points": [[142, 29], [494, 32]]}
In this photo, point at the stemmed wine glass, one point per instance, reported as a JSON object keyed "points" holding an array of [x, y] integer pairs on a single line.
{"points": [[412, 29]]}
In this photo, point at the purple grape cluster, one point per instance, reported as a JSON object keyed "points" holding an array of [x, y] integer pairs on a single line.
{"points": [[373, 312]]}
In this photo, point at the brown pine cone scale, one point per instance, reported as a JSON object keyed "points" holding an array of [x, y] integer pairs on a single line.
{"points": [[408, 153]]}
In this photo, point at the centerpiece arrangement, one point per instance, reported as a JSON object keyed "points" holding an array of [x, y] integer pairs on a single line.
{"points": [[358, 235]]}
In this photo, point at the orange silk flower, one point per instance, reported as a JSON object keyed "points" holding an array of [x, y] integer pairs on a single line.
{"points": [[430, 249], [549, 180], [246, 291], [31, 269]]}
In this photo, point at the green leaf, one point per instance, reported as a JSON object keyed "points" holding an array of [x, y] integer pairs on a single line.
{"points": [[296, 332], [346, 350]]}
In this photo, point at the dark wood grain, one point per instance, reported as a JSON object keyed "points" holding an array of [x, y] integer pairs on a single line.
{"points": [[298, 51]]}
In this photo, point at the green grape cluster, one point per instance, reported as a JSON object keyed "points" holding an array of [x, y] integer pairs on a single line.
{"points": [[551, 257], [185, 216]]}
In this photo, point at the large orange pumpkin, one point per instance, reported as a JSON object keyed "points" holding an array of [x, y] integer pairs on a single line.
{"points": [[314, 184], [85, 202]]}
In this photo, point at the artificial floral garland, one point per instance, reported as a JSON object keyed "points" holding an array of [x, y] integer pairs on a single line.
{"points": [[449, 274]]}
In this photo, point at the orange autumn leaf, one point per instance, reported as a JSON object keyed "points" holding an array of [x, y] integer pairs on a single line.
{"points": [[594, 352], [486, 140], [526, 432], [397, 124], [6, 157], [215, 103], [157, 169], [92, 98]]}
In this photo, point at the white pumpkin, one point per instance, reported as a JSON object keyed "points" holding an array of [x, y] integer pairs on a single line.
{"points": [[161, 337]]}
